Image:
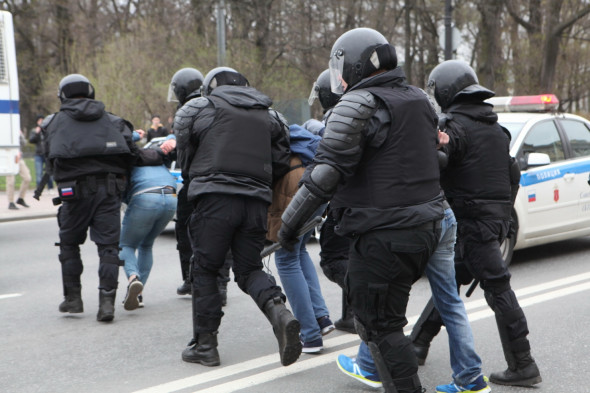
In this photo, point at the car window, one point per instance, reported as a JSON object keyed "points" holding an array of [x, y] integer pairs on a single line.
{"points": [[514, 128], [544, 138], [579, 136]]}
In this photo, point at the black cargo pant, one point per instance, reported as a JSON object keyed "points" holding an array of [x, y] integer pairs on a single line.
{"points": [[382, 267], [222, 222], [184, 209], [478, 255], [97, 205]]}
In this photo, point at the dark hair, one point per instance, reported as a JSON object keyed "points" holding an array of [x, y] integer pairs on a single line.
{"points": [[39, 117], [158, 116]]}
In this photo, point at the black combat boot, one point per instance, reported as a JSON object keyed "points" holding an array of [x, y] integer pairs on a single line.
{"points": [[185, 288], [286, 329], [106, 305], [346, 323], [421, 346], [522, 371], [407, 385], [426, 328], [203, 350], [73, 301]]}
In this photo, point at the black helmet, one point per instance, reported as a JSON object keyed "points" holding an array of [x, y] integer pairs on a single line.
{"points": [[321, 89], [222, 76], [452, 79], [356, 55], [75, 86], [184, 83]]}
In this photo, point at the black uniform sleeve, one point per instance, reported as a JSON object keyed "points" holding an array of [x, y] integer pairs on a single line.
{"points": [[458, 140], [187, 129]]}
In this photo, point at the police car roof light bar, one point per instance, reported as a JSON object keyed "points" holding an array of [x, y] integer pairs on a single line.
{"points": [[537, 103]]}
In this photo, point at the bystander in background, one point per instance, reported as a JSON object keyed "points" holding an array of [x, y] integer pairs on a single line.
{"points": [[25, 175]]}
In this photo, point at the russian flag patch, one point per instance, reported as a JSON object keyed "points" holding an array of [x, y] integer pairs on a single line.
{"points": [[69, 191], [532, 196]]}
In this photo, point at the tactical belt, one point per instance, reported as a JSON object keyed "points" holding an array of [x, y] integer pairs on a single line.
{"points": [[157, 190]]}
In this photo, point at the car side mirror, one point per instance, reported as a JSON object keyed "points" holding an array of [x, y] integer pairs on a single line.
{"points": [[537, 159]]}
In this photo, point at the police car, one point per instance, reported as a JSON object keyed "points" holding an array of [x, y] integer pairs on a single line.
{"points": [[173, 170], [553, 150]]}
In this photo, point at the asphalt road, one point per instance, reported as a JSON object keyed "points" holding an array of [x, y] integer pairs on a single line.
{"points": [[42, 350]]}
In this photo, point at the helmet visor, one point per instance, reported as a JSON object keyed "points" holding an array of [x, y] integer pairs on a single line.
{"points": [[171, 94], [315, 93], [337, 84]]}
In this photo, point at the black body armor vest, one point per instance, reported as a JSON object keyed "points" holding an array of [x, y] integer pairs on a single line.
{"points": [[237, 143], [385, 178]]}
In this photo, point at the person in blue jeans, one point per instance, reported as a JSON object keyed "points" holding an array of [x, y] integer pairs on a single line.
{"points": [[151, 204], [296, 269], [465, 362], [35, 137]]}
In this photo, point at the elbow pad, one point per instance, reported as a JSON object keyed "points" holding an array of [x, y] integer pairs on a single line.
{"points": [[317, 190], [300, 209]]}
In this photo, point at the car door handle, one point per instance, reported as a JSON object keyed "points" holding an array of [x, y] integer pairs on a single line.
{"points": [[569, 176]]}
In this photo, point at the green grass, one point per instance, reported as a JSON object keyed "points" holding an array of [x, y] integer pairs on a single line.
{"points": [[31, 164]]}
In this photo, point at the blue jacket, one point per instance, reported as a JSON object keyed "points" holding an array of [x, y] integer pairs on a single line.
{"points": [[143, 177], [303, 143]]}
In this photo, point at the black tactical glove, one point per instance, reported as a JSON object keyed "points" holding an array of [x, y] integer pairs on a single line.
{"points": [[287, 237]]}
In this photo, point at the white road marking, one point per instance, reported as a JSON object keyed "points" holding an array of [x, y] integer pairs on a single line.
{"points": [[329, 357], [9, 295]]}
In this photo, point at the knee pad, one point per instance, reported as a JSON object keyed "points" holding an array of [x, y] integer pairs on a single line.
{"points": [[71, 262], [246, 281], [493, 289], [108, 250], [67, 252], [335, 271]]}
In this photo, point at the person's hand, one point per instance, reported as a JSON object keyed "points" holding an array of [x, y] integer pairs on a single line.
{"points": [[141, 133], [168, 146], [287, 238], [443, 139], [37, 130]]}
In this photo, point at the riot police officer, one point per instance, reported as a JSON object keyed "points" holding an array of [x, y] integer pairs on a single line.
{"points": [[233, 148], [185, 85], [334, 248], [480, 182], [377, 164], [90, 153]]}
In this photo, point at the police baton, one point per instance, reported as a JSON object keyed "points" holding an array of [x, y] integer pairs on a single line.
{"points": [[304, 229]]}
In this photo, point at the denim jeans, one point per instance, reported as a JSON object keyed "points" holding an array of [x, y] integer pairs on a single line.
{"points": [[39, 171], [302, 287], [145, 218], [440, 271]]}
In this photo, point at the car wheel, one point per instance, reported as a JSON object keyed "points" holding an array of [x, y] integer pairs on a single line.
{"points": [[507, 249]]}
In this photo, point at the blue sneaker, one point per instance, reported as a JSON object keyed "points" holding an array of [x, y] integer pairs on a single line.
{"points": [[349, 367], [478, 386]]}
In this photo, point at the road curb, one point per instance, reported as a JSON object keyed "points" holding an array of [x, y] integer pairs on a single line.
{"points": [[28, 217]]}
